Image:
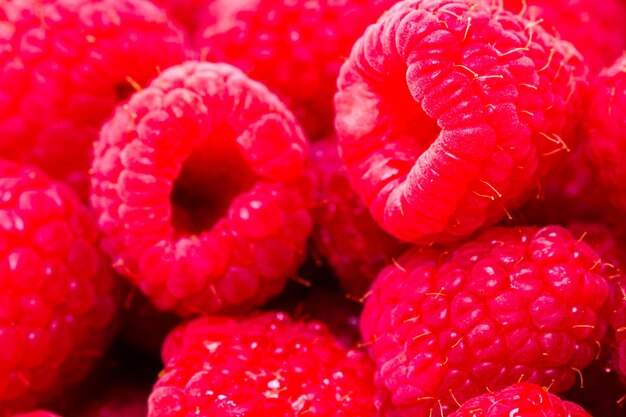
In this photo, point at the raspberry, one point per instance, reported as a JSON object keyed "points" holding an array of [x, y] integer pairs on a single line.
{"points": [[345, 234], [64, 64], [202, 192], [58, 297], [606, 127], [295, 47], [260, 366], [602, 39], [38, 413], [519, 399], [515, 304], [449, 113]]}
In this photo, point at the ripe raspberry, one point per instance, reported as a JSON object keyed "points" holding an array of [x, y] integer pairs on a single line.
{"points": [[345, 234], [606, 127], [521, 399], [449, 112], [64, 65], [200, 186], [516, 304], [38, 413], [266, 365], [58, 297], [295, 47], [595, 28]]}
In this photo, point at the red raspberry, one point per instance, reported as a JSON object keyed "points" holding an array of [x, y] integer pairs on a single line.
{"points": [[449, 112], [295, 47], [266, 365], [596, 28], [345, 234], [516, 304], [38, 413], [199, 183], [606, 127], [58, 297], [521, 399], [64, 64]]}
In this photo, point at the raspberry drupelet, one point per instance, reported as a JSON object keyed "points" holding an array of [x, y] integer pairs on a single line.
{"points": [[345, 234], [450, 112], [64, 64], [202, 190], [295, 47], [514, 304], [58, 297], [265, 365], [521, 399]]}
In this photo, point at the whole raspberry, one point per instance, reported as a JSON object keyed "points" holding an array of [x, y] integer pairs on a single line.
{"points": [[202, 192], [449, 113], [521, 399], [516, 304], [58, 297], [606, 127], [266, 365], [595, 28], [64, 64], [345, 234], [295, 47]]}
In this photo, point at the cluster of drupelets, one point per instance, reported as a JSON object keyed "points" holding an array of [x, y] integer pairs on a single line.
{"points": [[312, 208]]}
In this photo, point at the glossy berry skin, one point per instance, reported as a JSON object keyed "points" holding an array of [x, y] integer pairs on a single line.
{"points": [[449, 113], [606, 127], [514, 304], [64, 64], [521, 399], [294, 47], [265, 365], [58, 298], [601, 41], [201, 187], [345, 234]]}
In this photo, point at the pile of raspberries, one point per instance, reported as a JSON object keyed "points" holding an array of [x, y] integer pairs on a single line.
{"points": [[312, 208]]}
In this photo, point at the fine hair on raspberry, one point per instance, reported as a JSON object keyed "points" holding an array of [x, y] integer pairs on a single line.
{"points": [[201, 186]]}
